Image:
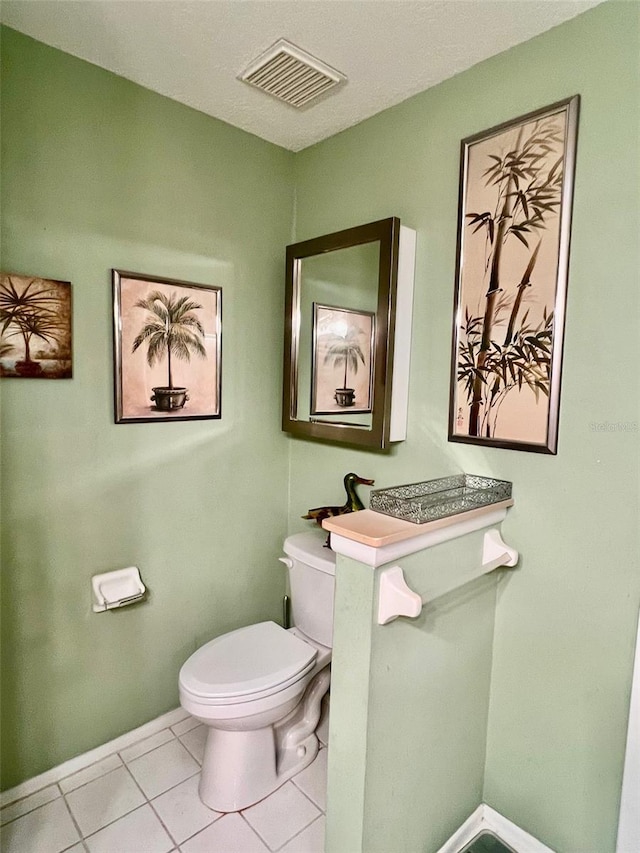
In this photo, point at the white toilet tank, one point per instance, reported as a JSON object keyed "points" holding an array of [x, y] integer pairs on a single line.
{"points": [[312, 569]]}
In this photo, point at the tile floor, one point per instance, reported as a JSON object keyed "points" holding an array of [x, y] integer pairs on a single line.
{"points": [[144, 799]]}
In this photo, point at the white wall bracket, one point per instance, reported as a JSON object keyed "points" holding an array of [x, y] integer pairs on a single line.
{"points": [[395, 598], [496, 553]]}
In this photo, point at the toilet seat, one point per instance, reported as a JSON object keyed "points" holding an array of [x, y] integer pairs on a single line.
{"points": [[247, 664]]}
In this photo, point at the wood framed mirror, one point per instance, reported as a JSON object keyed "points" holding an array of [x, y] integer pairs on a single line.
{"points": [[340, 331]]}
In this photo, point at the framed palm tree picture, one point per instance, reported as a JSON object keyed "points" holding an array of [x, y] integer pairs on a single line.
{"points": [[167, 349], [342, 360], [516, 188], [35, 327]]}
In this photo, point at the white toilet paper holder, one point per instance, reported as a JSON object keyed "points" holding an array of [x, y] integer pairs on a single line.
{"points": [[117, 588], [395, 598]]}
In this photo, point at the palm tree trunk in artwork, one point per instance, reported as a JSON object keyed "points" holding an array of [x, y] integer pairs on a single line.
{"points": [[169, 365], [346, 361], [504, 221], [27, 350]]}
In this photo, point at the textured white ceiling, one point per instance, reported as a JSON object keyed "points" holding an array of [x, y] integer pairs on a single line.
{"points": [[193, 51]]}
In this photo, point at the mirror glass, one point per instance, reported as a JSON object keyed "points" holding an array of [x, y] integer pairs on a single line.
{"points": [[340, 301]]}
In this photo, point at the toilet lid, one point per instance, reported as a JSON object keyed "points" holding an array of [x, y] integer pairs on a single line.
{"points": [[250, 660]]}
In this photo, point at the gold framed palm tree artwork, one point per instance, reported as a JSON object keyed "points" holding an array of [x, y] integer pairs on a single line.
{"points": [[167, 349], [35, 327], [516, 189], [342, 362]]}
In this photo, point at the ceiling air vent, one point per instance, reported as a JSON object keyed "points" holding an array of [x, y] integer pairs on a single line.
{"points": [[290, 74]]}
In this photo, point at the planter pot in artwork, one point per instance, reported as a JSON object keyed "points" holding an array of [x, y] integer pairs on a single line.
{"points": [[28, 368], [345, 397], [168, 399]]}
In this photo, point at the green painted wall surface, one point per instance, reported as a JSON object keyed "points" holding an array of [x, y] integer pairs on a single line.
{"points": [[100, 173], [350, 706], [565, 629], [430, 702], [566, 618], [423, 709]]}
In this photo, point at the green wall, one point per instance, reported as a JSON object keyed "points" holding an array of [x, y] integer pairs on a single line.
{"points": [[565, 630], [100, 173], [409, 705], [566, 618]]}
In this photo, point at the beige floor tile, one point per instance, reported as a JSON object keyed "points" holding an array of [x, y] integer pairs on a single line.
{"points": [[48, 829], [182, 811], [281, 816], [28, 804], [138, 832], [310, 840], [230, 834], [104, 800], [163, 768], [194, 741], [313, 780]]}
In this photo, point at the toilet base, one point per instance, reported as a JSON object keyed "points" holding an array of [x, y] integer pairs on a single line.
{"points": [[241, 768]]}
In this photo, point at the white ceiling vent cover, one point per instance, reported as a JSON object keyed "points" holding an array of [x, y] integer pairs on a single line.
{"points": [[290, 74]]}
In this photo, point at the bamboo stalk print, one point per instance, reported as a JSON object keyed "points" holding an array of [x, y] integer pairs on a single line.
{"points": [[525, 281], [494, 287], [501, 349]]}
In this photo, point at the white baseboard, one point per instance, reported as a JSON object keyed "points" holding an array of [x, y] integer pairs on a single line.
{"points": [[54, 775], [486, 818], [468, 831], [512, 834]]}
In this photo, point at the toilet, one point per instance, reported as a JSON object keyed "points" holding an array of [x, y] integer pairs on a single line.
{"points": [[259, 689]]}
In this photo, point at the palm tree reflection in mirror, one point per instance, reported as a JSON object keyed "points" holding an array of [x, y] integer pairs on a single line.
{"points": [[346, 352], [343, 354]]}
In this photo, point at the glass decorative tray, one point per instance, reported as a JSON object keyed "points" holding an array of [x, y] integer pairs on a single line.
{"points": [[433, 499]]}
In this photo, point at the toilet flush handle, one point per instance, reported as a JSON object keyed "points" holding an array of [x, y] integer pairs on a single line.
{"points": [[286, 601]]}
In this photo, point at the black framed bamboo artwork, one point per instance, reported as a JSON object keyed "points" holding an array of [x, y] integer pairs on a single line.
{"points": [[167, 349], [516, 188], [35, 327], [342, 363]]}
